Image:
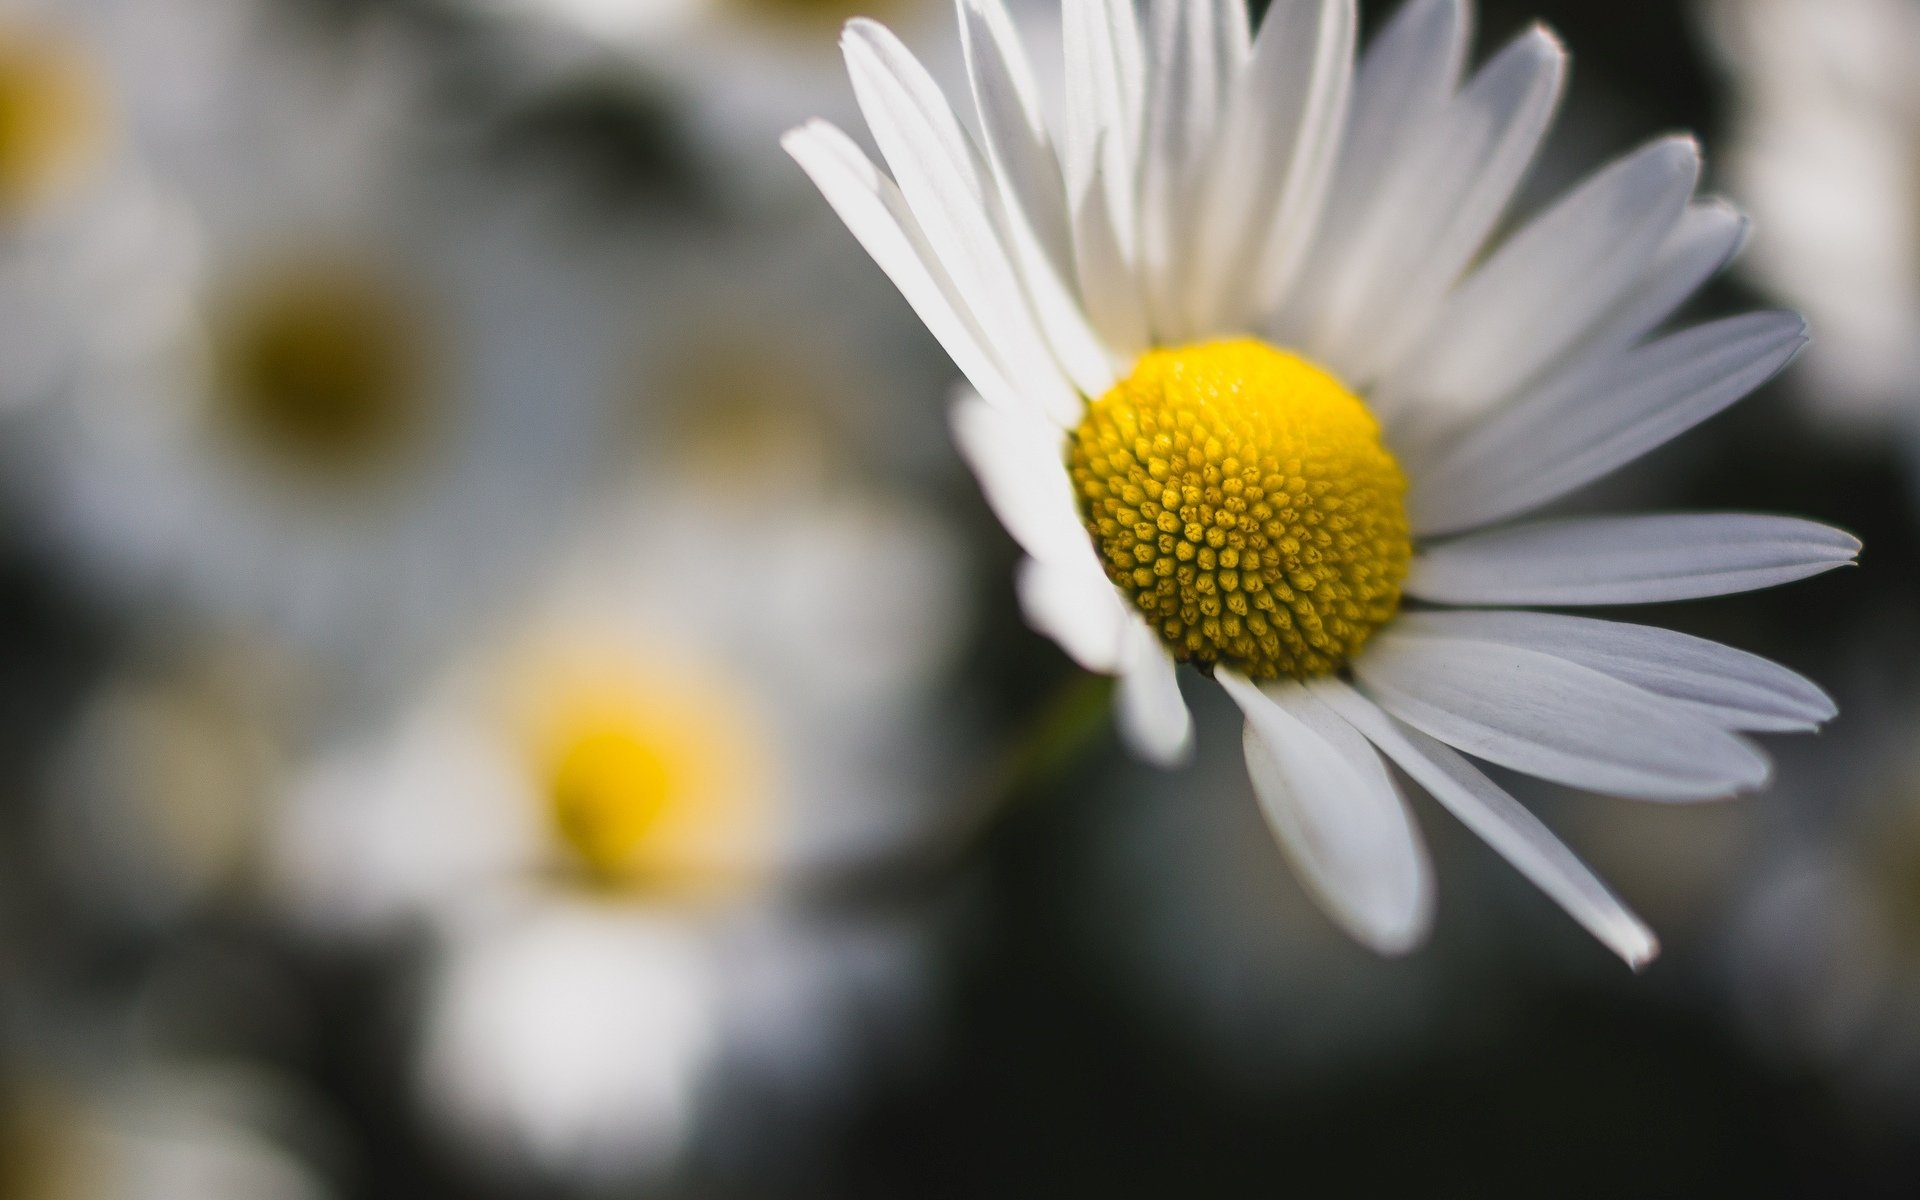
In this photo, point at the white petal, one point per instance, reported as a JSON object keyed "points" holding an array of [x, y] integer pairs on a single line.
{"points": [[877, 215], [1013, 123], [1547, 285], [1073, 603], [939, 172], [1154, 718], [1018, 461], [1500, 821], [1337, 814], [1108, 280], [1183, 111], [1269, 173], [1106, 105], [1402, 87], [1709, 234], [1732, 688], [1438, 209], [1569, 435], [1032, 192], [1627, 560], [1555, 719]]}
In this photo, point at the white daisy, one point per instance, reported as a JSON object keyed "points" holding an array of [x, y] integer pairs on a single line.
{"points": [[1250, 378], [610, 822], [1826, 127], [358, 394]]}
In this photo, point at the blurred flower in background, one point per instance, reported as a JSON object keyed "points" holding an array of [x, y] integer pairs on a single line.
{"points": [[1826, 122], [736, 69], [325, 435], [154, 1133], [624, 822]]}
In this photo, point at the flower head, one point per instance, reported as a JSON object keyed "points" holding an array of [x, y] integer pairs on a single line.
{"points": [[1256, 388]]}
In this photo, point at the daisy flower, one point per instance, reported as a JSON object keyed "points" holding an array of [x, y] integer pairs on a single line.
{"points": [[608, 826], [350, 395], [1257, 390], [1826, 115]]}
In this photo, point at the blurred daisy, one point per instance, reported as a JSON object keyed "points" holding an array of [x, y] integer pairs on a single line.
{"points": [[1823, 950], [1249, 379], [73, 205], [608, 821], [156, 1133], [157, 796], [1826, 117], [367, 395], [736, 69]]}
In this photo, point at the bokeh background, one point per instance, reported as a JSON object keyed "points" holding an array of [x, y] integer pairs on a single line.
{"points": [[448, 456]]}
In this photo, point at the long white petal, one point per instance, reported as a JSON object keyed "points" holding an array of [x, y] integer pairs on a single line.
{"points": [[1627, 560], [1443, 202], [1032, 193], [1555, 719], [1734, 689], [1706, 239], [1073, 603], [1183, 112], [877, 215], [1548, 285], [1568, 436], [1268, 175], [1109, 281], [1106, 104], [1500, 821], [944, 181], [1336, 813], [1017, 459], [1408, 74], [1013, 123], [1154, 719]]}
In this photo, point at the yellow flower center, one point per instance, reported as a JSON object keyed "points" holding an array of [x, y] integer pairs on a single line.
{"points": [[322, 367], [1242, 496], [52, 115], [653, 784]]}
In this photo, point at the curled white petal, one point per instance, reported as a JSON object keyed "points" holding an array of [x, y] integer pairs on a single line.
{"points": [[1337, 814]]}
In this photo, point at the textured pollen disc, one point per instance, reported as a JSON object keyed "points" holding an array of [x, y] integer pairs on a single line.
{"points": [[1243, 498]]}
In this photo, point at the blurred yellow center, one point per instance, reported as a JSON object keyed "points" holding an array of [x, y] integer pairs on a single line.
{"points": [[52, 115], [1243, 498], [654, 784], [322, 367]]}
